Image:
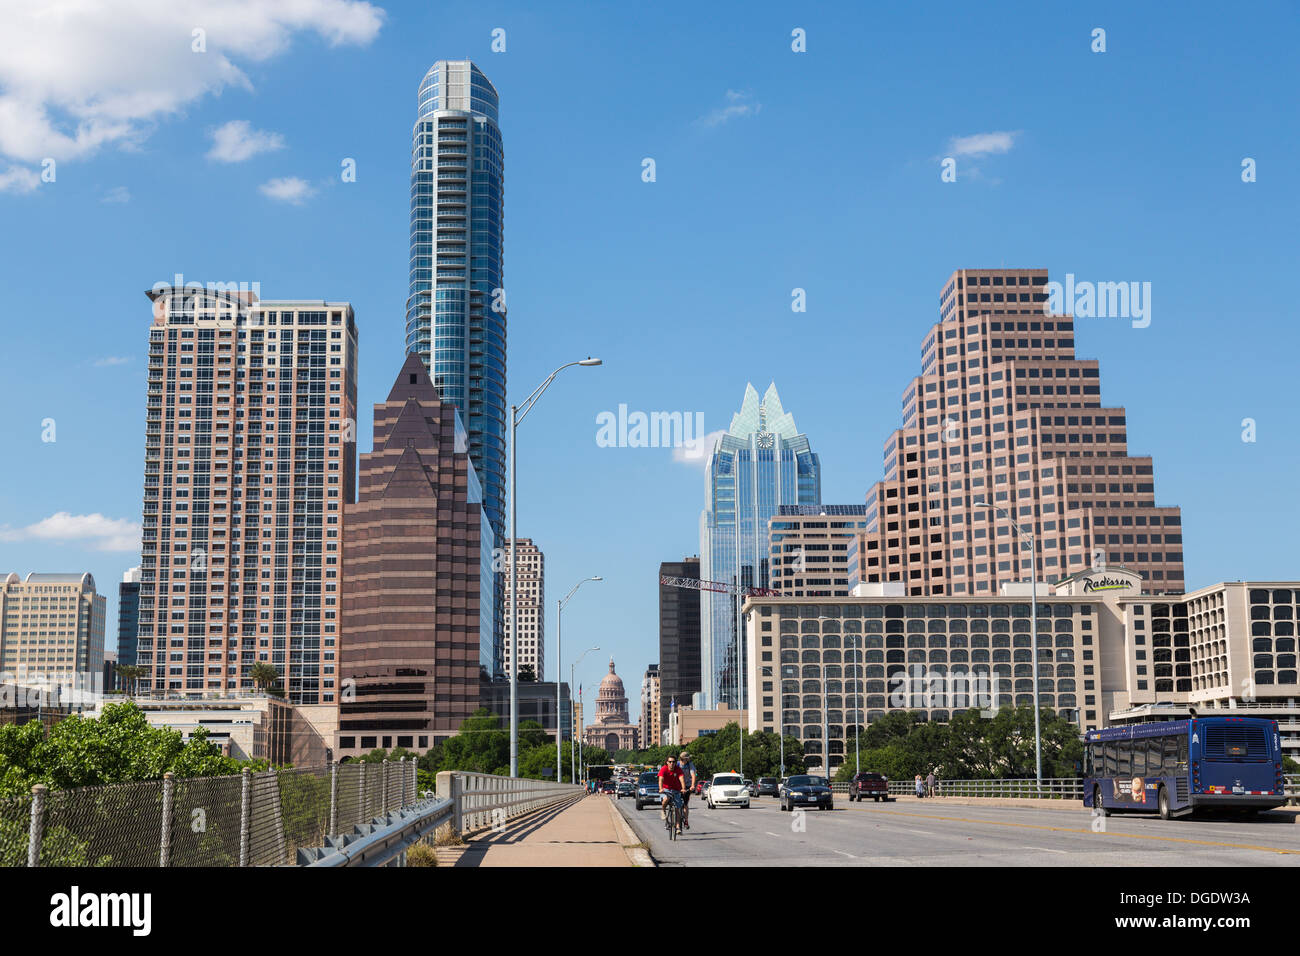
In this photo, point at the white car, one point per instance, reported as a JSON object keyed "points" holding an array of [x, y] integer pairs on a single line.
{"points": [[728, 789]]}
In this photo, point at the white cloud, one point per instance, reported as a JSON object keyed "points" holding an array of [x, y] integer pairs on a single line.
{"points": [[80, 74], [118, 194], [101, 533], [287, 189], [697, 454], [237, 141], [738, 104], [112, 360], [982, 144], [18, 179]]}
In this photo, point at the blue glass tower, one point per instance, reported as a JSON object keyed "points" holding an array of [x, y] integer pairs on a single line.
{"points": [[760, 464], [455, 307]]}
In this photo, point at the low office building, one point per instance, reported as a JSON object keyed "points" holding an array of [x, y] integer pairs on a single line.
{"points": [[128, 617], [536, 702], [1105, 647], [810, 547], [651, 725], [686, 723], [245, 726]]}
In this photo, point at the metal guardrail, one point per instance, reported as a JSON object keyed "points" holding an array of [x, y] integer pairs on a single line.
{"points": [[465, 802], [1053, 788]]}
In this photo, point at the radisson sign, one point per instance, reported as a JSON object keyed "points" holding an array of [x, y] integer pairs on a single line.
{"points": [[1105, 584]]}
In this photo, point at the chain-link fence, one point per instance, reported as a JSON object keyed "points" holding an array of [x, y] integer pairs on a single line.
{"points": [[253, 819]]}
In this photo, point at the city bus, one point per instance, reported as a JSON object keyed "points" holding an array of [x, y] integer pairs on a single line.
{"points": [[1176, 767]]}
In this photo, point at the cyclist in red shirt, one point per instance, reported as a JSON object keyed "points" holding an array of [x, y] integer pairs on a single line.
{"points": [[671, 784]]}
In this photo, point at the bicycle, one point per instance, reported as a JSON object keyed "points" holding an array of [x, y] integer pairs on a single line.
{"points": [[673, 818]]}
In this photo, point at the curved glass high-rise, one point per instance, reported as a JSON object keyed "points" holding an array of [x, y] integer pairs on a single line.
{"points": [[455, 309], [761, 463]]}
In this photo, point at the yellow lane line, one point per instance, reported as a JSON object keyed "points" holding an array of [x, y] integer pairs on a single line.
{"points": [[1042, 826]]}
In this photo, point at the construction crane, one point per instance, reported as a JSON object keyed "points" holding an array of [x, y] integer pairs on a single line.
{"points": [[721, 587]]}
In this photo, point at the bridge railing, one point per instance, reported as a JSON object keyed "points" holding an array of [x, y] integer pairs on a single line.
{"points": [[484, 800], [1053, 788], [464, 802]]}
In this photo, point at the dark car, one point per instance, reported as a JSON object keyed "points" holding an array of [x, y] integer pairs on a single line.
{"points": [[767, 787], [864, 785], [647, 790], [607, 786], [626, 788], [803, 790]]}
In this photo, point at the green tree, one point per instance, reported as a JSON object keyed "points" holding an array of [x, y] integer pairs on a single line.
{"points": [[116, 747], [480, 745], [130, 674], [527, 675]]}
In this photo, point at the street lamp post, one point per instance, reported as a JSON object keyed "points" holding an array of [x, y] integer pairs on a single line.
{"points": [[575, 749], [1027, 538], [559, 648], [517, 415]]}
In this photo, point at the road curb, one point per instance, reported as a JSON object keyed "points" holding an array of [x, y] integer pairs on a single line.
{"points": [[628, 839]]}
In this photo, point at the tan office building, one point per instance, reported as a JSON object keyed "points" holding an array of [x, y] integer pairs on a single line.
{"points": [[250, 456], [651, 724], [1003, 414], [810, 547], [532, 607], [52, 628]]}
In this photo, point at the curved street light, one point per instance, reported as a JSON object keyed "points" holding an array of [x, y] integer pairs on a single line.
{"points": [[517, 415], [559, 647], [575, 752]]}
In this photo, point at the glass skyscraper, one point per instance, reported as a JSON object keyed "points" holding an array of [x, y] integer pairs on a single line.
{"points": [[761, 463], [455, 307], [455, 311]]}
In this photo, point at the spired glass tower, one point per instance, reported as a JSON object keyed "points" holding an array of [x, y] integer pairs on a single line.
{"points": [[455, 307], [761, 463]]}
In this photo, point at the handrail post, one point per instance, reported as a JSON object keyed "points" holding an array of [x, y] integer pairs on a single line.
{"points": [[36, 831], [165, 841], [363, 796], [245, 813], [334, 799], [383, 789]]}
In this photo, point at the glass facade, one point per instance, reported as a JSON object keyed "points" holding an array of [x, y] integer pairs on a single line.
{"points": [[455, 307], [760, 464], [455, 310]]}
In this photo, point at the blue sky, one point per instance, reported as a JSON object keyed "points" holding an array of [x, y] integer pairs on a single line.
{"points": [[775, 170]]}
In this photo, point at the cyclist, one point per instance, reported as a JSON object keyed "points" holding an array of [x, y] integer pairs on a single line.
{"points": [[688, 786], [671, 783]]}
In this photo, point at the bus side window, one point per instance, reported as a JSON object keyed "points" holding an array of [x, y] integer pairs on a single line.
{"points": [[1182, 753], [1155, 757], [1138, 767], [1109, 759], [1124, 758]]}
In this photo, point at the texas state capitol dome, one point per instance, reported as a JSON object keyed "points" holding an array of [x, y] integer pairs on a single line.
{"points": [[612, 730]]}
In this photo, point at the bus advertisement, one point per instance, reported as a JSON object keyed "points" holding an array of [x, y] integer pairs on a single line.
{"points": [[1176, 767]]}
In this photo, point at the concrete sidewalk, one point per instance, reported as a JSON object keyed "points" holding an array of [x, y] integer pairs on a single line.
{"points": [[582, 833]]}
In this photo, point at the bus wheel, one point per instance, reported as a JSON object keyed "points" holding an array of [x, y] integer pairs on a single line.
{"points": [[1097, 805], [1162, 801]]}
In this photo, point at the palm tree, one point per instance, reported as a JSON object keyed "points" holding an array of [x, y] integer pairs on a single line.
{"points": [[130, 673], [263, 674]]}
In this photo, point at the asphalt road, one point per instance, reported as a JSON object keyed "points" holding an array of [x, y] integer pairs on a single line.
{"points": [[909, 832]]}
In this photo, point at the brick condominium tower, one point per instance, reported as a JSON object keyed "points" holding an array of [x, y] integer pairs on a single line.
{"points": [[532, 607], [249, 459], [417, 589], [1003, 412]]}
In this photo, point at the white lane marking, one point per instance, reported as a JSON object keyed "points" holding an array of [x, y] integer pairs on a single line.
{"points": [[842, 853], [770, 833], [922, 832], [1042, 849]]}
